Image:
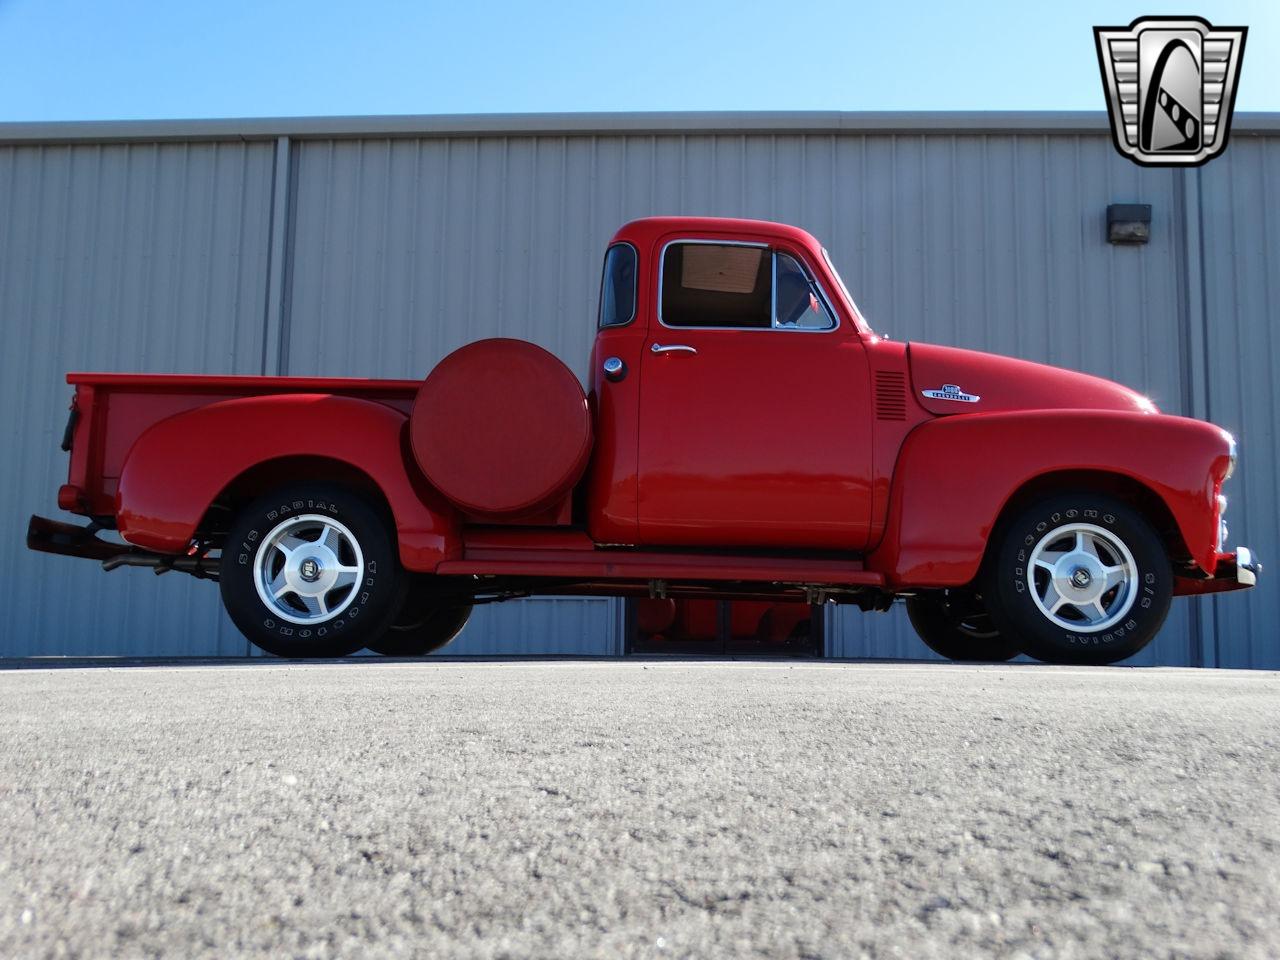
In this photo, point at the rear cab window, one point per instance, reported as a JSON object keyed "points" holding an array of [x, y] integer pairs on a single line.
{"points": [[618, 287], [724, 285]]}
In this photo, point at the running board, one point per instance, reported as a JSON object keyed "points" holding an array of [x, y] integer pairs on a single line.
{"points": [[616, 564]]}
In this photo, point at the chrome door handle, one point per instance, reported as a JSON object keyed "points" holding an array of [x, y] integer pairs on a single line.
{"points": [[671, 348]]}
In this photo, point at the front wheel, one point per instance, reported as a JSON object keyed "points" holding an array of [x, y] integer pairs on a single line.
{"points": [[310, 570], [1079, 578]]}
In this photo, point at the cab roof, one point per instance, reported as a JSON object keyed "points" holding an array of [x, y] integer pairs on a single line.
{"points": [[647, 230]]}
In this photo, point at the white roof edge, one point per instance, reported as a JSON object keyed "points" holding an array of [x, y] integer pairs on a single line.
{"points": [[583, 124]]}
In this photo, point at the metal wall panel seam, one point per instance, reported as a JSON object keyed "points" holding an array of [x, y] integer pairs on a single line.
{"points": [[1206, 610], [1203, 639], [277, 250], [287, 263]]}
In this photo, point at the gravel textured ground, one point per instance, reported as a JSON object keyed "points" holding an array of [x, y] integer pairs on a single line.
{"points": [[654, 809]]}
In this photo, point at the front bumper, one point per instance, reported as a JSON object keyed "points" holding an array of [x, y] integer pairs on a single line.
{"points": [[1247, 567], [1238, 570]]}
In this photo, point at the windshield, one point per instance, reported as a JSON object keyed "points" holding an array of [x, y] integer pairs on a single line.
{"points": [[843, 289]]}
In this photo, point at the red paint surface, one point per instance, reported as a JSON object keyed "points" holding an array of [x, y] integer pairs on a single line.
{"points": [[178, 466], [1004, 383], [501, 428], [955, 475], [710, 449]]}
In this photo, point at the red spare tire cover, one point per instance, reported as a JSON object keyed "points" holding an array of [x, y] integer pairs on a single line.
{"points": [[501, 428]]}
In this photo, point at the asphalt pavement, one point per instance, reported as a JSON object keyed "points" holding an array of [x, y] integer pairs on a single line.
{"points": [[648, 809]]}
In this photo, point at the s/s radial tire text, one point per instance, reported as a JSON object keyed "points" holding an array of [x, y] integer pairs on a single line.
{"points": [[1079, 578], [310, 570]]}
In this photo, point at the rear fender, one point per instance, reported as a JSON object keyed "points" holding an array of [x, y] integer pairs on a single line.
{"points": [[955, 475], [179, 466]]}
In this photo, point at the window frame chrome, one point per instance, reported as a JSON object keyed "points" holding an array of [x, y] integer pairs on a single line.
{"points": [[773, 251], [844, 289], [813, 282]]}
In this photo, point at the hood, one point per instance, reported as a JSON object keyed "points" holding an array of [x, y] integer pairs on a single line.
{"points": [[948, 380]]}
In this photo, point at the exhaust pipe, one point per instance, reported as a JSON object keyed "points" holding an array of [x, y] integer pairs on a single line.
{"points": [[202, 568], [68, 540]]}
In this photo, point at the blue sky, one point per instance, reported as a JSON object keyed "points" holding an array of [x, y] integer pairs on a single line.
{"points": [[128, 59]]}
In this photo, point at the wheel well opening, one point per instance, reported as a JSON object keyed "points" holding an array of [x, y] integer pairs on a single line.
{"points": [[1141, 497], [270, 474]]}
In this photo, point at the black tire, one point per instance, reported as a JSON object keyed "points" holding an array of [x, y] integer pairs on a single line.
{"points": [[1124, 627], [360, 612], [955, 624], [422, 627]]}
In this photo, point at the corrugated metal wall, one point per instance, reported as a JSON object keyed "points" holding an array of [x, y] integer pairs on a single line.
{"points": [[148, 257], [1239, 207], [400, 249]]}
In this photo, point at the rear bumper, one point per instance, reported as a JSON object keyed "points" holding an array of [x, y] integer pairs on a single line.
{"points": [[1238, 570], [68, 540]]}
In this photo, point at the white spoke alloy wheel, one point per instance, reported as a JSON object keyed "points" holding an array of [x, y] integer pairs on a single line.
{"points": [[308, 569], [1082, 577]]}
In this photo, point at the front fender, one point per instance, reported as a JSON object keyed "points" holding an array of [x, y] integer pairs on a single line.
{"points": [[955, 475], [177, 467]]}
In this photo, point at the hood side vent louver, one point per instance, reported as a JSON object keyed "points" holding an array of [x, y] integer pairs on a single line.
{"points": [[891, 395]]}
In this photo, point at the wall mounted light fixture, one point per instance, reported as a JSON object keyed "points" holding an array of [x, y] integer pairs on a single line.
{"points": [[1129, 223]]}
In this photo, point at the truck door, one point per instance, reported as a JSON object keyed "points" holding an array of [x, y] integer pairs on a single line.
{"points": [[755, 425]]}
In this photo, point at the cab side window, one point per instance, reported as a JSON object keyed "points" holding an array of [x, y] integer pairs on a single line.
{"points": [[716, 285], [618, 288], [724, 285], [798, 305]]}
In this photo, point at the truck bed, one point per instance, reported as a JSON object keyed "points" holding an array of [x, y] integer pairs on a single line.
{"points": [[111, 410]]}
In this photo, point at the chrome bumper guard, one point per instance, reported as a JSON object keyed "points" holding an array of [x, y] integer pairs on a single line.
{"points": [[1247, 567]]}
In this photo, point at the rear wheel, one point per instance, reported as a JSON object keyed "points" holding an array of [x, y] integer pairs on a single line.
{"points": [[310, 570], [425, 624], [955, 624], [1080, 578]]}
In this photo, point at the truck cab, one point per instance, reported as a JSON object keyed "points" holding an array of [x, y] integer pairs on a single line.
{"points": [[732, 349]]}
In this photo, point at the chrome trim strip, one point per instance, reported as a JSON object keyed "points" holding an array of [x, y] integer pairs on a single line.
{"points": [[813, 281], [773, 289]]}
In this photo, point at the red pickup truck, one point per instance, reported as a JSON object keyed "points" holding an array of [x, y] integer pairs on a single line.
{"points": [[745, 435]]}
